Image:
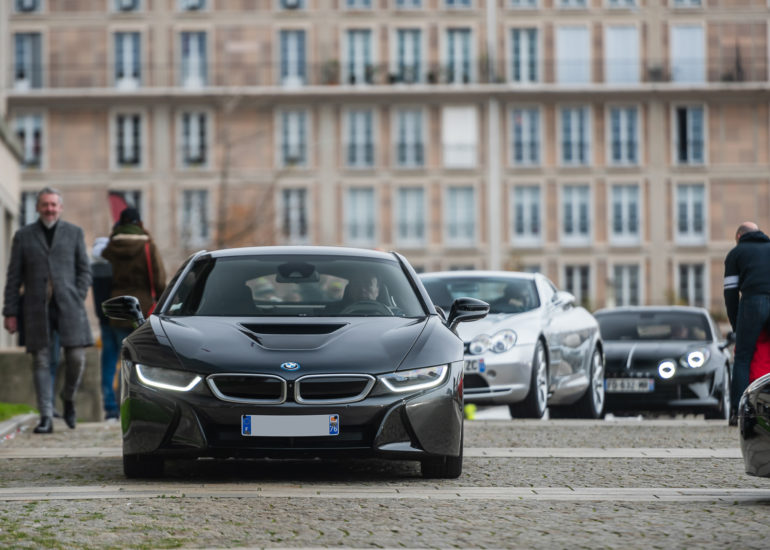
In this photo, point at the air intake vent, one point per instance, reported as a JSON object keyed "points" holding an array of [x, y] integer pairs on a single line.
{"points": [[248, 388], [332, 388], [326, 328]]}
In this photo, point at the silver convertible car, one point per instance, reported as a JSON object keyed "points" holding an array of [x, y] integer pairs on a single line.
{"points": [[535, 349]]}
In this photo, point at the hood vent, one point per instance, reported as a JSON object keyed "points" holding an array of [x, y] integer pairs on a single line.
{"points": [[326, 328]]}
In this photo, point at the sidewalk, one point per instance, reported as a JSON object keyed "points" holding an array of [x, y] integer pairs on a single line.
{"points": [[9, 428]]}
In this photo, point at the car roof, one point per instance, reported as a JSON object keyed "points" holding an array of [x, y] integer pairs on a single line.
{"points": [[300, 251], [654, 309], [479, 273]]}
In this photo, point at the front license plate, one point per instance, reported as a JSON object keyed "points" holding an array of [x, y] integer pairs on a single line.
{"points": [[475, 365], [629, 385], [290, 426]]}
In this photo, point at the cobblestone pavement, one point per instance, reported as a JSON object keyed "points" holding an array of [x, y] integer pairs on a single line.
{"points": [[265, 511]]}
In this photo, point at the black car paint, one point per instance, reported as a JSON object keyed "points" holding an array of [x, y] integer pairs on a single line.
{"points": [[754, 423]]}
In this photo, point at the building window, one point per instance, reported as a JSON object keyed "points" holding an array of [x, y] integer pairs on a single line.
{"points": [[577, 281], [454, 4], [294, 138], [458, 56], [192, 5], [576, 215], [126, 5], [194, 69], [360, 216], [128, 138], [621, 53], [527, 218], [410, 217], [410, 147], [624, 143], [196, 230], [360, 64], [621, 3], [292, 4], [686, 3], [358, 4], [575, 136], [293, 57], [524, 57], [572, 3], [573, 55], [689, 139], [28, 70], [688, 55], [27, 6], [127, 60], [294, 208], [408, 4], [624, 223], [360, 146], [460, 217], [690, 214], [625, 282], [28, 206], [29, 131], [408, 56], [525, 4], [459, 135], [692, 283], [194, 138], [525, 141]]}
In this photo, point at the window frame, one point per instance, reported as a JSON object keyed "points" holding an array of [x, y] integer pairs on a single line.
{"points": [[588, 129], [307, 198], [625, 265], [625, 238], [675, 141], [576, 239], [693, 263], [207, 70], [42, 116], [291, 80], [609, 141], [182, 162], [528, 239], [143, 136], [690, 237], [347, 220], [196, 241], [281, 161], [420, 110], [409, 242], [347, 139], [460, 242]]}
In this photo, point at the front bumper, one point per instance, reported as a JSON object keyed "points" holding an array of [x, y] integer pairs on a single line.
{"points": [[686, 391], [505, 377], [198, 424]]}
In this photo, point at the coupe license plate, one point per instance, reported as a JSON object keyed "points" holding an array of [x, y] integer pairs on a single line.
{"points": [[290, 426], [475, 365], [629, 385]]}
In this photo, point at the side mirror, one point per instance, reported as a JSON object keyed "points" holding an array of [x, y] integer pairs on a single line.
{"points": [[729, 341], [466, 309], [563, 299], [124, 308]]}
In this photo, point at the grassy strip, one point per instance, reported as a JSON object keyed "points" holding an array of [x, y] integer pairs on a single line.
{"points": [[9, 410]]}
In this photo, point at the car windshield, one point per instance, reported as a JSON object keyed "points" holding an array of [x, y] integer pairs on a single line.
{"points": [[295, 286], [653, 325], [503, 294]]}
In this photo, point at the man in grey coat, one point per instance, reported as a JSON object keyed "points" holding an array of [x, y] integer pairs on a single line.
{"points": [[49, 260]]}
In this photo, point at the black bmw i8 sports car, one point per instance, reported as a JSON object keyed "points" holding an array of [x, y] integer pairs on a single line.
{"points": [[665, 358], [293, 351]]}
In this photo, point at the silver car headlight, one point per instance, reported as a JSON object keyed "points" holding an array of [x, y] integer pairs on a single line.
{"points": [[499, 342], [167, 379], [695, 358], [416, 379]]}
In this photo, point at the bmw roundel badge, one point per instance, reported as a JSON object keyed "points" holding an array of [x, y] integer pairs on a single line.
{"points": [[290, 365]]}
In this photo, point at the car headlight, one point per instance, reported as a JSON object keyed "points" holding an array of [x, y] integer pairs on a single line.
{"points": [[499, 342], [695, 358], [666, 369], [167, 379], [416, 379]]}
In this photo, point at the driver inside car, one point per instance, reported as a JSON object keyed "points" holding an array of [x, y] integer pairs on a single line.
{"points": [[363, 287]]}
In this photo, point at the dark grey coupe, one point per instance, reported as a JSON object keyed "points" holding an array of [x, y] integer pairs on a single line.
{"points": [[293, 351], [665, 358]]}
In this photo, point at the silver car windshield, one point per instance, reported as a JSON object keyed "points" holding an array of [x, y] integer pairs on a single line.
{"points": [[503, 294], [295, 286], [651, 325]]}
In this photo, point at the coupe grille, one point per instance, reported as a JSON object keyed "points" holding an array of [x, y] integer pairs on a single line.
{"points": [[248, 388], [333, 388]]}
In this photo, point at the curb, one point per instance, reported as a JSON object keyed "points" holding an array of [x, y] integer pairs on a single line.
{"points": [[16, 423]]}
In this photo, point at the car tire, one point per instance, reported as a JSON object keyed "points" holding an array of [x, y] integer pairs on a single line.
{"points": [[142, 466], [722, 412], [443, 467], [591, 404], [536, 401]]}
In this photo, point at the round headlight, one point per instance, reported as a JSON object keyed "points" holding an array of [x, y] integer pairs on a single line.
{"points": [[479, 344], [502, 341], [696, 359], [666, 369]]}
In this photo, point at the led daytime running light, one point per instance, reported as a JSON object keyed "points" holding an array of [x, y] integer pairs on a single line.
{"points": [[144, 373]]}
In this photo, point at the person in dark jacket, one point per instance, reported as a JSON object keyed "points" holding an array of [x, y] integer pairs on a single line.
{"points": [[127, 252], [102, 289], [747, 300], [49, 260]]}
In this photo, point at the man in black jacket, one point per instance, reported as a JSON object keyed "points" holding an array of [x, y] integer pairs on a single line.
{"points": [[747, 300]]}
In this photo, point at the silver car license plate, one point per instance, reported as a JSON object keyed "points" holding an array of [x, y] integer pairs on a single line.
{"points": [[629, 385], [290, 426], [473, 366]]}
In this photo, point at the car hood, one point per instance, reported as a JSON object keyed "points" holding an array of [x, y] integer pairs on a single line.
{"points": [[215, 344], [495, 322], [618, 353]]}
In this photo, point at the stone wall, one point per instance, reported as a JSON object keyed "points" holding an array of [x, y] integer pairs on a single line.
{"points": [[17, 386]]}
